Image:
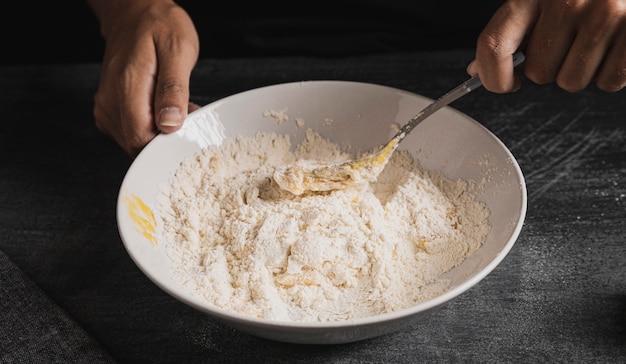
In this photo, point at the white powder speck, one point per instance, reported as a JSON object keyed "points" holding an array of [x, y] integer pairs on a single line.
{"points": [[241, 243], [279, 115], [395, 127]]}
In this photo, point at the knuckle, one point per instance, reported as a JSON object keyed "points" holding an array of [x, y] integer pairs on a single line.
{"points": [[170, 86], [101, 119], [492, 42], [612, 7]]}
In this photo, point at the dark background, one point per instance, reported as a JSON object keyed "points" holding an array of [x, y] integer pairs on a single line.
{"points": [[48, 32], [41, 32]]}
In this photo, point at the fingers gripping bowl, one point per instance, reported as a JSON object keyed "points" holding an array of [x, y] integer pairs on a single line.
{"points": [[353, 118]]}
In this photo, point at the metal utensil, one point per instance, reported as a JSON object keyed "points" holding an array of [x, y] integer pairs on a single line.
{"points": [[321, 176]]}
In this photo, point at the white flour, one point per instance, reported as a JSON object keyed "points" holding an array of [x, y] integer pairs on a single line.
{"points": [[240, 242]]}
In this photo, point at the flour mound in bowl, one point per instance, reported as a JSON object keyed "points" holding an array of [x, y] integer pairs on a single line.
{"points": [[243, 244]]}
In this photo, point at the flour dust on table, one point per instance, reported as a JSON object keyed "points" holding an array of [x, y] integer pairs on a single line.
{"points": [[241, 243]]}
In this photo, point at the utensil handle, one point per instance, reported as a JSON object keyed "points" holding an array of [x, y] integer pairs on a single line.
{"points": [[452, 95]]}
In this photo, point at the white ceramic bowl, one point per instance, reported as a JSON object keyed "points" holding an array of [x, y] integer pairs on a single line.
{"points": [[448, 141]]}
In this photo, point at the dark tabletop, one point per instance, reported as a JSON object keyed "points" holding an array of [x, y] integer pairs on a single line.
{"points": [[70, 293]]}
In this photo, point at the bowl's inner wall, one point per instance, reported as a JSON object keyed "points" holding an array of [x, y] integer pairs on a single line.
{"points": [[358, 117]]}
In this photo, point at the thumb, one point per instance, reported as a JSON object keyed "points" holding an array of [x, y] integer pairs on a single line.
{"points": [[171, 93]]}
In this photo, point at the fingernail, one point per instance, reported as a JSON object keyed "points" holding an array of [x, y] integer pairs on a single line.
{"points": [[170, 116]]}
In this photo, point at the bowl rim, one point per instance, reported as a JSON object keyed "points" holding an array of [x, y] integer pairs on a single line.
{"points": [[426, 305]]}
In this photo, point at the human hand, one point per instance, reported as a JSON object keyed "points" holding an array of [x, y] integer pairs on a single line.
{"points": [[151, 49], [571, 42]]}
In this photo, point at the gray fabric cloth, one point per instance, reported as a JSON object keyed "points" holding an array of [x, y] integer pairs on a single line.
{"points": [[36, 330]]}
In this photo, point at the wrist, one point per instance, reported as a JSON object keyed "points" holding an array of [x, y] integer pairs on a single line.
{"points": [[111, 12]]}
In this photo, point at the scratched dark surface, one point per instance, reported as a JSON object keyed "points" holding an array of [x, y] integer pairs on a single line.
{"points": [[70, 292]]}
